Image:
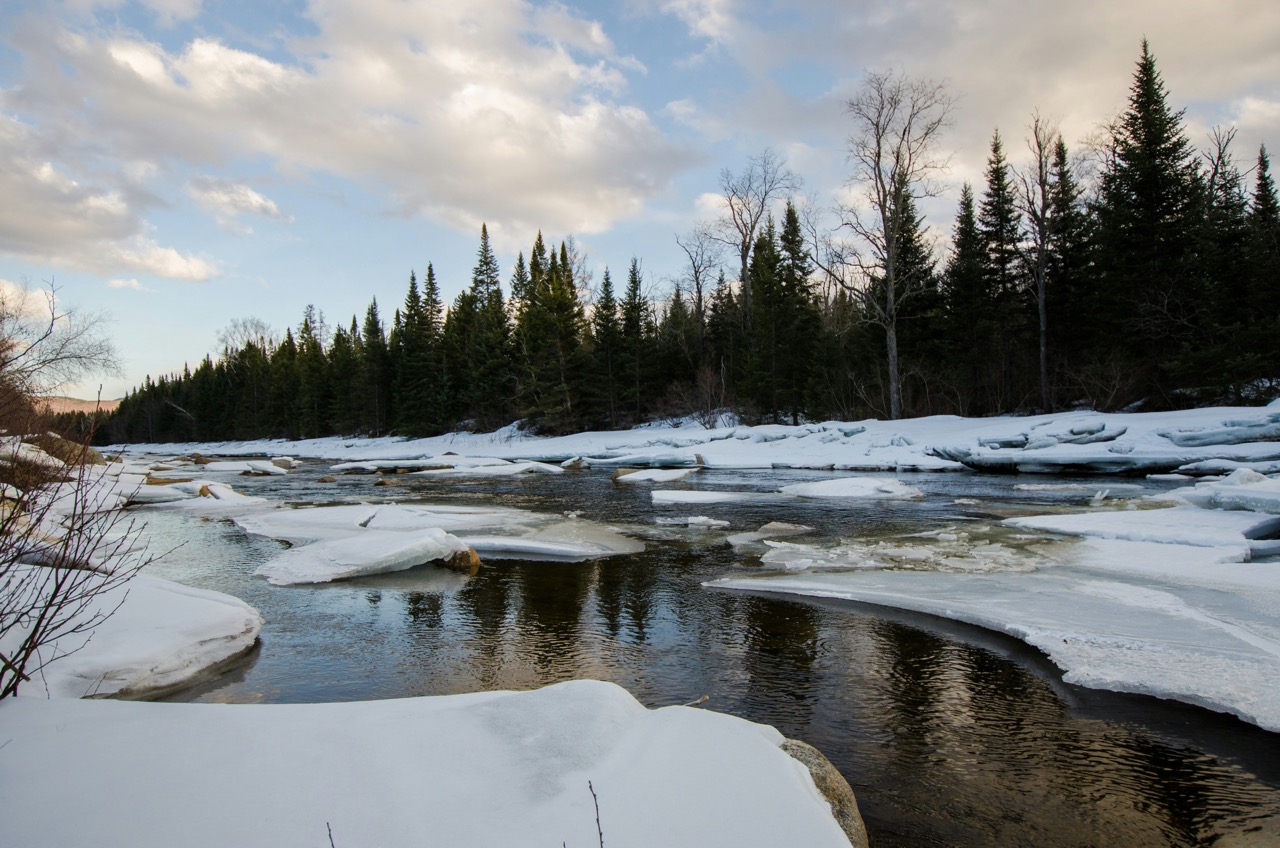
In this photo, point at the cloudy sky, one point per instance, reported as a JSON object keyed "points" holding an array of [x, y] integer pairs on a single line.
{"points": [[178, 164]]}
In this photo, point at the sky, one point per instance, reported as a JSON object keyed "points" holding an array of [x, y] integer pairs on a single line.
{"points": [[176, 165]]}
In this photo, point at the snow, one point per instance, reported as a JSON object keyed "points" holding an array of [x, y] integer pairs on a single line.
{"points": [[692, 496], [360, 554], [654, 475], [163, 636], [1162, 602], [1077, 441], [497, 768], [854, 487]]}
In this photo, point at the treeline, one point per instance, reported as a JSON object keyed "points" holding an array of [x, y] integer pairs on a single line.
{"points": [[1154, 276]]}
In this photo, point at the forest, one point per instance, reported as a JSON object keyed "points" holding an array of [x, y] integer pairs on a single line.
{"points": [[1141, 272]]}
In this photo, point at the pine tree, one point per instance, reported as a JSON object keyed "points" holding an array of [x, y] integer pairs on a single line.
{"points": [[637, 335], [1071, 284], [282, 403], [376, 373], [1147, 220], [1264, 244], [490, 391], [313, 377], [345, 381], [606, 352], [1001, 227]]}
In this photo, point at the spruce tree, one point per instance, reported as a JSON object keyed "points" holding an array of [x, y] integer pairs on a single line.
{"points": [[637, 335], [376, 373], [313, 377], [491, 387], [606, 352], [1147, 222], [1264, 244]]}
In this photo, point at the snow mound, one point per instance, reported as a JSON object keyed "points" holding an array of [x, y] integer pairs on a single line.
{"points": [[494, 768], [162, 637], [854, 487]]}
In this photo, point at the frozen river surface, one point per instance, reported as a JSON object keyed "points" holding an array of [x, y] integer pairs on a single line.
{"points": [[950, 734]]}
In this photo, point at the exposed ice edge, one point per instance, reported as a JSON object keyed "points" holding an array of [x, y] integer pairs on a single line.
{"points": [[1082, 441], [355, 540], [493, 768], [1162, 602], [162, 637]]}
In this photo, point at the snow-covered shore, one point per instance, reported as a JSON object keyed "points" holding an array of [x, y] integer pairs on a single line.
{"points": [[492, 768], [1196, 441]]}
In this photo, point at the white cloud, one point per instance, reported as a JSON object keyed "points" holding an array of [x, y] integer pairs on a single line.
{"points": [[227, 200], [126, 284], [50, 216], [496, 110]]}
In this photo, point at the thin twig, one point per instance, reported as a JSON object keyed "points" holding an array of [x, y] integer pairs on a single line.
{"points": [[329, 827], [596, 801]]}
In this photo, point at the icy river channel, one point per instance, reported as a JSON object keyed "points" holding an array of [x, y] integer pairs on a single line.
{"points": [[949, 734]]}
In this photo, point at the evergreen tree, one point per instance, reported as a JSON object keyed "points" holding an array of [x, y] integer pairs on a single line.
{"points": [[376, 372], [606, 350], [282, 403], [1264, 245], [490, 391], [313, 377], [1071, 283], [1000, 225], [345, 380], [1147, 222], [637, 341]]}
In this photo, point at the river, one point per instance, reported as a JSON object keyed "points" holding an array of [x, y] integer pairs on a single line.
{"points": [[949, 734]]}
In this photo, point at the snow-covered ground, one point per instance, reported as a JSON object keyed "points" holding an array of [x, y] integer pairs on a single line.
{"points": [[1200, 441], [493, 768]]}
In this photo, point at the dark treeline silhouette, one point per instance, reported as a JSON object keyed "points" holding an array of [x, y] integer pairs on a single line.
{"points": [[1146, 272]]}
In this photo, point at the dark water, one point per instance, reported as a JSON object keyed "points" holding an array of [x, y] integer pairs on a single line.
{"points": [[950, 735]]}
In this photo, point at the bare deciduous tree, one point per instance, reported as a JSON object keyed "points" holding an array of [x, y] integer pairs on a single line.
{"points": [[249, 330], [1036, 200], [702, 250], [64, 540], [747, 197], [893, 150]]}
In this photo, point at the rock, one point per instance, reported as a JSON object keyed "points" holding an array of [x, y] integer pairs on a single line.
{"points": [[199, 459], [623, 472], [466, 562], [287, 463], [833, 786], [166, 481], [387, 481], [574, 463], [328, 478]]}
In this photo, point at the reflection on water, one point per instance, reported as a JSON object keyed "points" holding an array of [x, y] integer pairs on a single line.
{"points": [[949, 734]]}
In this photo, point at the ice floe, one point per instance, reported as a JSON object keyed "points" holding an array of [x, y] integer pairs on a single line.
{"points": [[693, 496], [358, 554], [854, 487]]}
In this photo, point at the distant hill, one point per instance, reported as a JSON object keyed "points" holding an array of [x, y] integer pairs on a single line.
{"points": [[66, 404]]}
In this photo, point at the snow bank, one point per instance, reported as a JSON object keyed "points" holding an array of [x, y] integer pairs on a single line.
{"points": [[496, 768], [1084, 442], [1177, 526], [854, 487], [163, 636]]}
